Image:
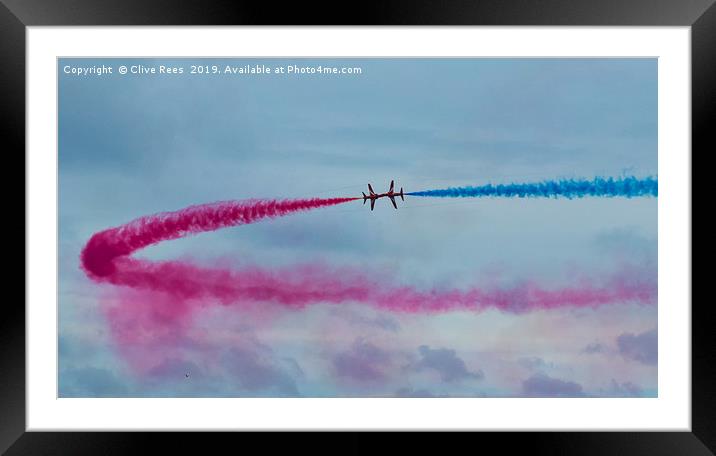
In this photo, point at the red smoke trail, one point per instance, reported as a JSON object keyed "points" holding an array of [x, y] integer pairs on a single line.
{"points": [[106, 258], [151, 315], [106, 248]]}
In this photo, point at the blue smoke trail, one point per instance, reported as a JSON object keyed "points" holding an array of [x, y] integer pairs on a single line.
{"points": [[628, 187]]}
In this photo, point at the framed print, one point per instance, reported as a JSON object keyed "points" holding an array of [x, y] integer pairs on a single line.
{"points": [[482, 223]]}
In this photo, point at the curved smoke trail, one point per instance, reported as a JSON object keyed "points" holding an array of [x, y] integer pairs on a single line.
{"points": [[627, 187], [107, 258], [104, 249]]}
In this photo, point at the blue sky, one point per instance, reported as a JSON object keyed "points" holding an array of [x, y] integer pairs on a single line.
{"points": [[132, 145]]}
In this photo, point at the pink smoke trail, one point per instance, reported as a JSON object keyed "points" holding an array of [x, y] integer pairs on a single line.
{"points": [[101, 253], [107, 258]]}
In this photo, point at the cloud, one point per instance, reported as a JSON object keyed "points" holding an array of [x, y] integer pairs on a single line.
{"points": [[174, 368], [642, 347], [90, 382], [541, 385], [534, 363], [625, 389], [154, 166], [255, 372], [293, 367], [446, 362], [626, 242], [378, 321], [410, 392], [364, 361], [594, 348]]}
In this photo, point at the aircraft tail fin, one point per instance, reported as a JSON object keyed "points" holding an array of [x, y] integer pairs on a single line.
{"points": [[401, 194], [364, 197]]}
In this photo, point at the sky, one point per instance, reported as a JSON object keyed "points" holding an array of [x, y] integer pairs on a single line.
{"points": [[137, 144]]}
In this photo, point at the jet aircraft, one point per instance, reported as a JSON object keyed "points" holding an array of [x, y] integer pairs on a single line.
{"points": [[372, 196]]}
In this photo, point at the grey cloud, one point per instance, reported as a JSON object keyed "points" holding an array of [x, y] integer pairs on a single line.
{"points": [[255, 372], [446, 362], [594, 348], [642, 347], [364, 361], [534, 363], [542, 385]]}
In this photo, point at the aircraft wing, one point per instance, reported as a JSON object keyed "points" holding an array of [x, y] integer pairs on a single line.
{"points": [[392, 200], [392, 185], [372, 204], [370, 189]]}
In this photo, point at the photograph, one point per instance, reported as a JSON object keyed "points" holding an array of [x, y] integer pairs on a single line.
{"points": [[354, 227]]}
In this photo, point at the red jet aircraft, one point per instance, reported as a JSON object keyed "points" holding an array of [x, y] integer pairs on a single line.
{"points": [[372, 196]]}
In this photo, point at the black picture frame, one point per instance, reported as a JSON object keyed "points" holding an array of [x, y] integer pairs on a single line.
{"points": [[16, 15]]}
